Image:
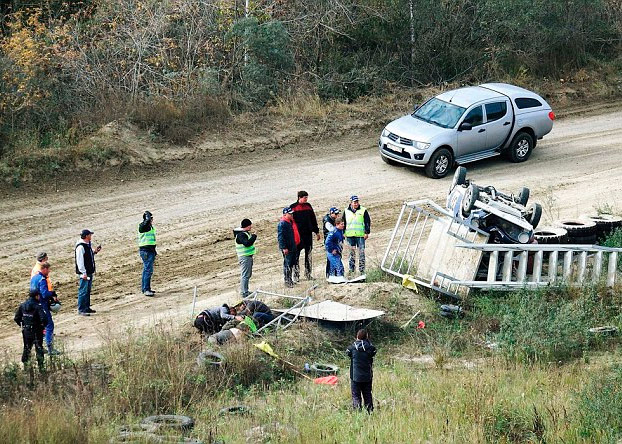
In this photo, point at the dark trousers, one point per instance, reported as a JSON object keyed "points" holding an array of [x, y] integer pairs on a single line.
{"points": [[361, 392], [289, 261], [207, 325], [32, 338], [306, 244], [261, 318]]}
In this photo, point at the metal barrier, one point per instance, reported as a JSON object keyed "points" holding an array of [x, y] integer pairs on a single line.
{"points": [[288, 317]]}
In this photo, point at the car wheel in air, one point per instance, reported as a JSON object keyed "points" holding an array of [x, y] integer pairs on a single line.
{"points": [[534, 214], [439, 164], [523, 196], [521, 147], [459, 177], [468, 201]]}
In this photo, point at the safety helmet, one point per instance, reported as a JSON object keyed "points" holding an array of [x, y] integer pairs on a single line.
{"points": [[55, 307]]}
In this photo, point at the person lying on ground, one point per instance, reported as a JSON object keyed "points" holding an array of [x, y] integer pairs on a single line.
{"points": [[211, 320], [257, 310]]}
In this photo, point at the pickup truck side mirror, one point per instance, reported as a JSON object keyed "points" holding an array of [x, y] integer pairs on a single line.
{"points": [[465, 126], [416, 107]]}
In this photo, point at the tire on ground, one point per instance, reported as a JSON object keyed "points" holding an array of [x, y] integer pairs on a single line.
{"points": [[171, 422], [440, 163], [324, 369], [521, 147], [235, 410], [210, 358], [584, 240], [577, 228], [551, 235], [605, 223]]}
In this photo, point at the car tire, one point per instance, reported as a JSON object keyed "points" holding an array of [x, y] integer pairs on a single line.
{"points": [[459, 178], [534, 214], [209, 358], [523, 196], [551, 235], [389, 161], [170, 422], [324, 369], [521, 147], [440, 164], [605, 223], [468, 201], [577, 228]]}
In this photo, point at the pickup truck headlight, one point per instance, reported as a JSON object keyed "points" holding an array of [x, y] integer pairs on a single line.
{"points": [[422, 145], [385, 133]]}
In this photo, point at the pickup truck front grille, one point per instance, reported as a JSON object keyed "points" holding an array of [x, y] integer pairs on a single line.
{"points": [[401, 140]]}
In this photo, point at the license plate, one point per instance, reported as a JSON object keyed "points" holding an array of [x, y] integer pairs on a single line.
{"points": [[395, 148]]}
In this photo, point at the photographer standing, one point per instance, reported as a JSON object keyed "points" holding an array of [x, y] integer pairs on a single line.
{"points": [[147, 251]]}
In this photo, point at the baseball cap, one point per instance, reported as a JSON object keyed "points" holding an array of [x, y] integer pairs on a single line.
{"points": [[42, 255], [287, 210], [85, 233], [334, 210], [354, 197]]}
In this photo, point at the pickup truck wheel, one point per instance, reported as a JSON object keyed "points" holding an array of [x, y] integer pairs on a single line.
{"points": [[534, 214], [523, 196], [521, 147], [459, 177], [468, 201], [439, 164]]}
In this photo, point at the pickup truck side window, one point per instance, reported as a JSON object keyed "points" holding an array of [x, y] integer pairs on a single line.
{"points": [[527, 102], [495, 111], [475, 116]]}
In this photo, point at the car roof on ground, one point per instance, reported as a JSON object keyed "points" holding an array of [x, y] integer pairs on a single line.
{"points": [[469, 95]]}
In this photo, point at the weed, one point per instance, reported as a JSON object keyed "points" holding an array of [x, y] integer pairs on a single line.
{"points": [[600, 406]]}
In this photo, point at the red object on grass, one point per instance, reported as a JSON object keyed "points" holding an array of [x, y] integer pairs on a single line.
{"points": [[329, 380], [421, 324]]}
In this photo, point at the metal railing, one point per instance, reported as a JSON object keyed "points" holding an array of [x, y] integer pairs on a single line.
{"points": [[288, 317]]}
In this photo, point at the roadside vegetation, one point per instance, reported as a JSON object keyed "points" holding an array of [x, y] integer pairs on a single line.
{"points": [[179, 70], [519, 367]]}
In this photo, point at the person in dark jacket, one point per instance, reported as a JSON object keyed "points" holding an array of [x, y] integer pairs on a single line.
{"points": [[211, 320], [334, 248], [147, 251], [305, 219], [287, 244], [328, 225], [85, 269], [42, 286], [257, 310], [245, 249], [361, 354], [31, 317]]}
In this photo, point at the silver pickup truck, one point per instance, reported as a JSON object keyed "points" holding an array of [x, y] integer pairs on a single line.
{"points": [[465, 125]]}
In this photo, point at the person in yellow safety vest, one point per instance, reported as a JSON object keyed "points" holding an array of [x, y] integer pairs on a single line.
{"points": [[147, 251], [356, 231], [245, 249]]}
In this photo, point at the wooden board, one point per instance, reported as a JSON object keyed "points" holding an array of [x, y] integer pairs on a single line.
{"points": [[336, 312]]}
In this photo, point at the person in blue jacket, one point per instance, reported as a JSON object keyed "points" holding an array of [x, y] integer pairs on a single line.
{"points": [[39, 283], [286, 237], [334, 248]]}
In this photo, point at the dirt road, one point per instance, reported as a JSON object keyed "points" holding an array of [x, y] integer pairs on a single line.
{"points": [[575, 168]]}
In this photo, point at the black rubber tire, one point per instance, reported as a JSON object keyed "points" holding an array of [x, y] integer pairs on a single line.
{"points": [[235, 410], [607, 330], [171, 422], [136, 438], [468, 201], [521, 147], [389, 161], [578, 227], [459, 178], [440, 163], [605, 223], [551, 235], [583, 240], [210, 358], [324, 369], [523, 196], [534, 214]]}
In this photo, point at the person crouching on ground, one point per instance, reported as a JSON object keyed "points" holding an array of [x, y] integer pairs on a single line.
{"points": [[334, 247], [361, 354], [245, 249], [210, 321]]}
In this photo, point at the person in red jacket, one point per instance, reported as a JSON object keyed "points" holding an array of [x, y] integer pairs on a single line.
{"points": [[306, 222]]}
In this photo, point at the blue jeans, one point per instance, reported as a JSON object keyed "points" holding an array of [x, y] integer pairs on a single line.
{"points": [[84, 293], [49, 326], [336, 266], [356, 243], [148, 258]]}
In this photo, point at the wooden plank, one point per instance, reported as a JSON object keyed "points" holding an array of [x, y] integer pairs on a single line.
{"points": [[582, 267], [598, 266], [567, 266], [553, 267], [493, 263], [611, 270], [507, 266], [537, 267], [522, 267]]}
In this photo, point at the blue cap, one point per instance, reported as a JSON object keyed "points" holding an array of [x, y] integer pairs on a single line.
{"points": [[354, 197], [334, 210], [287, 210]]}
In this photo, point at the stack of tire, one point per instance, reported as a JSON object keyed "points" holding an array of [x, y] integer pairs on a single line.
{"points": [[586, 230], [605, 223], [551, 235], [580, 231]]}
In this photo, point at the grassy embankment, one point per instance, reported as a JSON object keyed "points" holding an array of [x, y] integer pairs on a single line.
{"points": [[520, 367]]}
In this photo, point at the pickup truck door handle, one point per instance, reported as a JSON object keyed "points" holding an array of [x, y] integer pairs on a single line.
{"points": [[481, 131], [506, 123]]}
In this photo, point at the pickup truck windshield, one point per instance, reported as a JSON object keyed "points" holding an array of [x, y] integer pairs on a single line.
{"points": [[439, 113]]}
